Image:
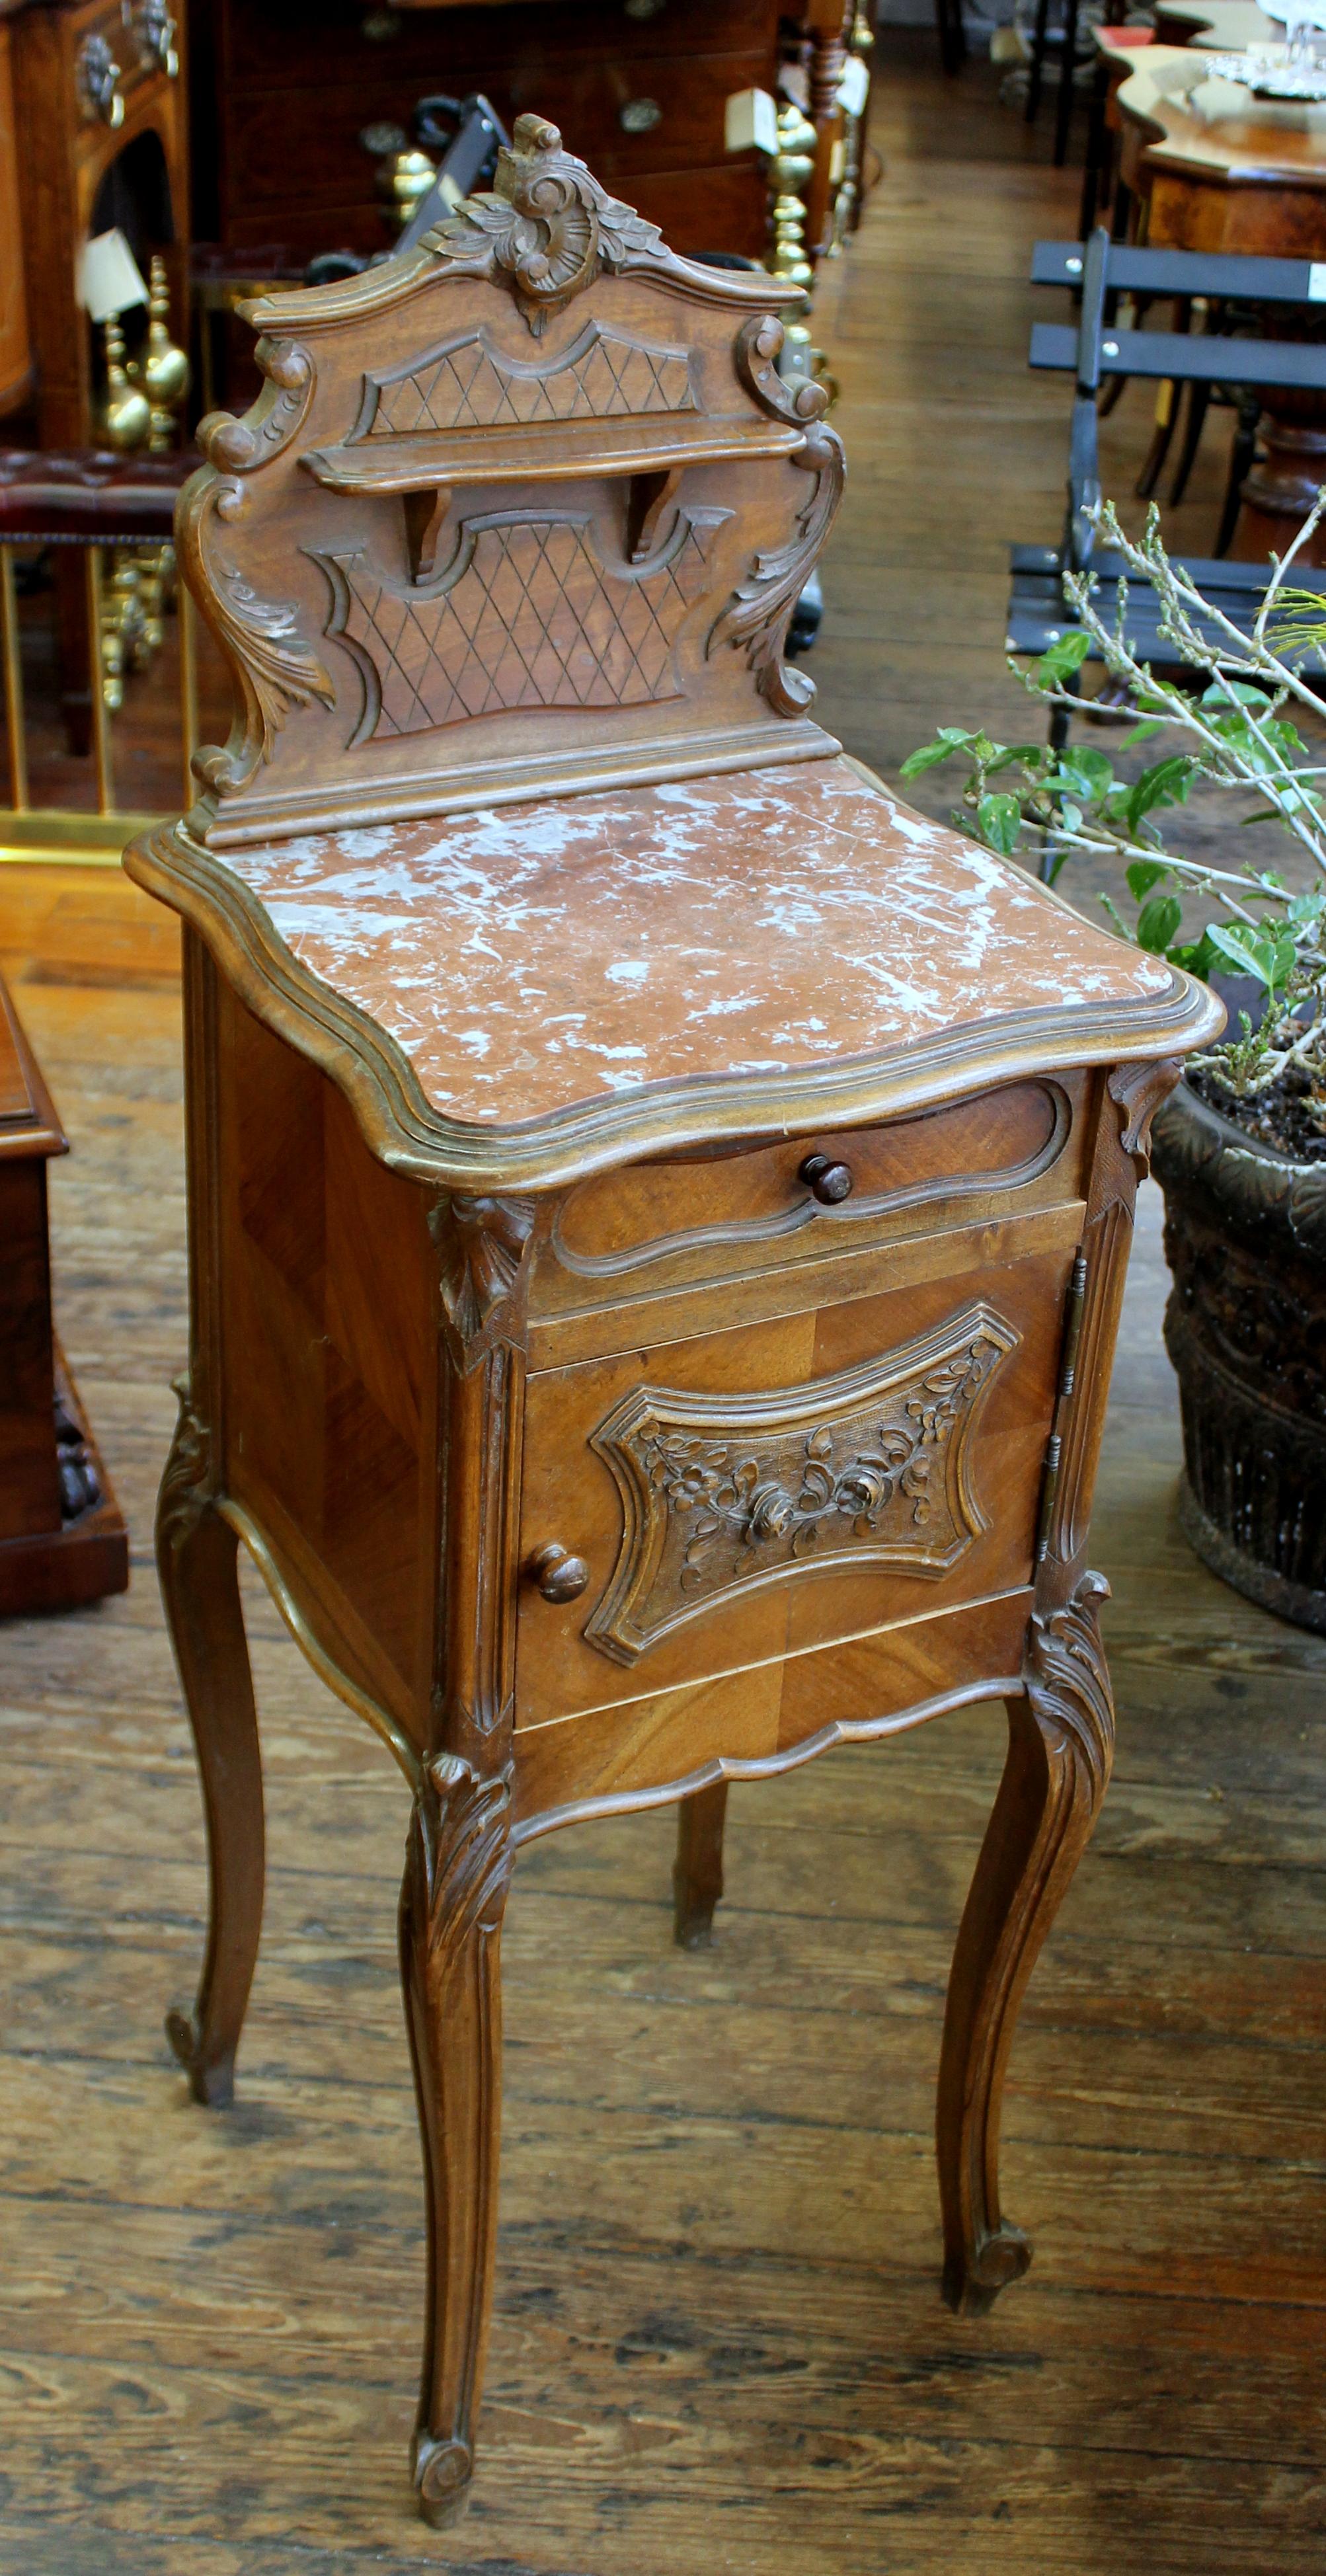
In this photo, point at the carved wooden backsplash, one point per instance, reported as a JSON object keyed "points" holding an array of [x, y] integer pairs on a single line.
{"points": [[524, 512]]}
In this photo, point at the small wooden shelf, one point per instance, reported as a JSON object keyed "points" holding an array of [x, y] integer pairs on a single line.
{"points": [[580, 448]]}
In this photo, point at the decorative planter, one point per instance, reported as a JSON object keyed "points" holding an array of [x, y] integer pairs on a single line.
{"points": [[1245, 1239]]}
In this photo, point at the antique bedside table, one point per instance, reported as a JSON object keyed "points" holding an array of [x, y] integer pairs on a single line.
{"points": [[658, 1207]]}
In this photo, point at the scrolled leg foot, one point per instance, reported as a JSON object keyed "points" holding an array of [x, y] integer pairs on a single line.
{"points": [[697, 1877], [211, 2077], [457, 1871], [196, 1562], [442, 2474], [971, 2285], [1060, 1748]]}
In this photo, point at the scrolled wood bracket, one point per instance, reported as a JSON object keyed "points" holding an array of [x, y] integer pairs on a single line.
{"points": [[275, 668], [1138, 1091], [760, 610]]}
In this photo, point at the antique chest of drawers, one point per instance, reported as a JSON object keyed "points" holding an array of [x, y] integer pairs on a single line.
{"points": [[658, 1206]]}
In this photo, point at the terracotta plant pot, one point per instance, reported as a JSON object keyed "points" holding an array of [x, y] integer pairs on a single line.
{"points": [[1245, 1239]]}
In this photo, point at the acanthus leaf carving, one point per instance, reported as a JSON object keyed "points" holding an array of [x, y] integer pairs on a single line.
{"points": [[724, 1494], [1068, 1685], [760, 610], [481, 1243], [460, 1854], [186, 1483], [546, 229]]}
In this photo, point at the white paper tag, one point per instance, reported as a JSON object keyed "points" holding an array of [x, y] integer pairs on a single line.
{"points": [[750, 120], [1317, 281], [109, 278], [854, 87]]}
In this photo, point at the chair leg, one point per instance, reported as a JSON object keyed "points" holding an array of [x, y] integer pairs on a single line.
{"points": [[1063, 105], [1199, 401], [196, 1554], [1037, 72], [1060, 1747], [453, 1895], [1242, 453], [697, 1877]]}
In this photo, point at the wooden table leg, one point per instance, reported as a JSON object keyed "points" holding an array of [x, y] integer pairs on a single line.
{"points": [[196, 1553], [697, 1877], [457, 1871], [1060, 1747]]}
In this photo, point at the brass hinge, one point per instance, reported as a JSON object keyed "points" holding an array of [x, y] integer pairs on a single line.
{"points": [[1077, 1298]]}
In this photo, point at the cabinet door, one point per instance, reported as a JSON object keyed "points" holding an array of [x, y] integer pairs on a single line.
{"points": [[751, 1494]]}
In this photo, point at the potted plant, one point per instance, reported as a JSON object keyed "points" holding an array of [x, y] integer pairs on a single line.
{"points": [[1240, 1147]]}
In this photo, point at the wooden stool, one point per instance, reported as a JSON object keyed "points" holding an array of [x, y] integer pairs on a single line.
{"points": [[658, 1207]]}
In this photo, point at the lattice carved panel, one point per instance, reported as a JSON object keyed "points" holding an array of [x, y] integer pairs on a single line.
{"points": [[470, 383], [723, 1494], [528, 613]]}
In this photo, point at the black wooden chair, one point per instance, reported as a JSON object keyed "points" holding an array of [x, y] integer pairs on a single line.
{"points": [[1096, 350]]}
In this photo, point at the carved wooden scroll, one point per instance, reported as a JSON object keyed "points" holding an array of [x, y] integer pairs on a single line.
{"points": [[721, 1494], [522, 512]]}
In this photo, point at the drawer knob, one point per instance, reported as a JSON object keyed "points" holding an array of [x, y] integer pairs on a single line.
{"points": [[828, 1182], [559, 1577], [641, 115]]}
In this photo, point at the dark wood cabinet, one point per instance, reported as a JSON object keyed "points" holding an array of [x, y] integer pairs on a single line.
{"points": [[62, 1540], [282, 95]]}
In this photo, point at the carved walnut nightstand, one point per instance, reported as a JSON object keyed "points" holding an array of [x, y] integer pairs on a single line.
{"points": [[658, 1207]]}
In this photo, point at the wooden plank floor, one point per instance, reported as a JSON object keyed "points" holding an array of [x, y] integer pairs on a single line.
{"points": [[719, 2342]]}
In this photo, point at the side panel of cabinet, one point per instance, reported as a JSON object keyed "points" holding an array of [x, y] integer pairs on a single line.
{"points": [[327, 1323]]}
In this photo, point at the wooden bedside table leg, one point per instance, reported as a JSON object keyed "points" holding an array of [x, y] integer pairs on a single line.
{"points": [[457, 1871], [1060, 1747], [196, 1554], [697, 1876]]}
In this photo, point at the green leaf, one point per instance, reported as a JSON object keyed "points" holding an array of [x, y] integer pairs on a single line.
{"points": [[930, 755], [1158, 923], [999, 822], [1253, 952], [1166, 783], [1143, 874], [1196, 955], [1063, 658], [1146, 731]]}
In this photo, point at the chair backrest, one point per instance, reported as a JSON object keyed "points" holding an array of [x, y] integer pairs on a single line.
{"points": [[524, 511], [1096, 348]]}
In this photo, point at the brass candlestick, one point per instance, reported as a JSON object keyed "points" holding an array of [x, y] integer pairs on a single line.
{"points": [[789, 171], [126, 414], [165, 368]]}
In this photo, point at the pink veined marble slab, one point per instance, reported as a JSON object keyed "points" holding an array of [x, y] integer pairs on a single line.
{"points": [[537, 956]]}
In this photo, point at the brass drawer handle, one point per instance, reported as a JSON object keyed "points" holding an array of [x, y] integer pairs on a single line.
{"points": [[828, 1182], [640, 116], [558, 1577]]}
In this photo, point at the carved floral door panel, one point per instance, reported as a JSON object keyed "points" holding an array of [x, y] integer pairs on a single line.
{"points": [[758, 1492]]}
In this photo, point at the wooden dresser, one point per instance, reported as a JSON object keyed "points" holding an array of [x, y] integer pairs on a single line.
{"points": [[658, 1207], [282, 96]]}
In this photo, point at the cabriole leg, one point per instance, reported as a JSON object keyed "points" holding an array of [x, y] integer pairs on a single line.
{"points": [[196, 1554], [457, 1871], [697, 1876], [1060, 1747]]}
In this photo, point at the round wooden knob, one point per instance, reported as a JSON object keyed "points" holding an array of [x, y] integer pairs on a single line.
{"points": [[828, 1182], [559, 1577]]}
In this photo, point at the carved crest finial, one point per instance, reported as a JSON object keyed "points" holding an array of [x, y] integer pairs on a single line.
{"points": [[547, 228]]}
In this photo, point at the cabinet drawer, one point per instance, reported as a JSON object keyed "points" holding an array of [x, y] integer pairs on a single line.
{"points": [[660, 1234], [754, 1493]]}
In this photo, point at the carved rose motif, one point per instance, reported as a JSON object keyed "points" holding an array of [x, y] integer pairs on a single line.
{"points": [[720, 1494]]}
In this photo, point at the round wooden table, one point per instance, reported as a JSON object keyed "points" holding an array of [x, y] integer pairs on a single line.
{"points": [[1212, 168]]}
